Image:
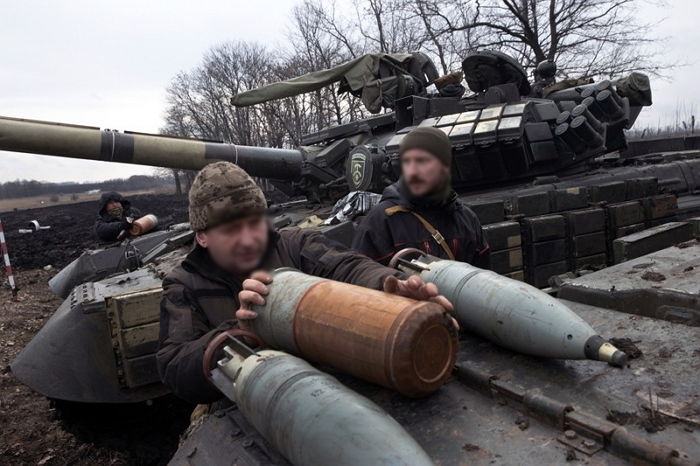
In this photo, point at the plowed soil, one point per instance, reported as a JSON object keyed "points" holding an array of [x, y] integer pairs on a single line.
{"points": [[35, 430], [72, 229]]}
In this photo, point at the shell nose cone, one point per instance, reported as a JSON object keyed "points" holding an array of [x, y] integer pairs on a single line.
{"points": [[600, 350], [619, 358]]}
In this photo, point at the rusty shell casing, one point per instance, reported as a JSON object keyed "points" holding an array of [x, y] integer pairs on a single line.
{"points": [[399, 343], [143, 225]]}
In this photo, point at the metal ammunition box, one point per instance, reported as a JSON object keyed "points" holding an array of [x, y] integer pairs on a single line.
{"points": [[614, 191], [641, 187], [625, 213], [530, 204], [588, 244], [488, 211], [545, 252], [544, 228], [507, 261], [503, 235], [657, 207], [585, 221], [568, 199], [650, 240]]}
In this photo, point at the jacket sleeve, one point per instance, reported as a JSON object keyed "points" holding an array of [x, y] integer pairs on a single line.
{"points": [[373, 236], [107, 231], [184, 336], [482, 254], [320, 256]]}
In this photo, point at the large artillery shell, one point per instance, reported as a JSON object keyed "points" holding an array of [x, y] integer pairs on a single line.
{"points": [[400, 343], [143, 225], [312, 419], [516, 315]]}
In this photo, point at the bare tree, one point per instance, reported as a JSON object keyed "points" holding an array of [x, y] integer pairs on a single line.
{"points": [[198, 101], [584, 37]]}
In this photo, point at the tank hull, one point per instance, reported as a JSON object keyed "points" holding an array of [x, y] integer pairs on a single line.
{"points": [[510, 408], [76, 355]]}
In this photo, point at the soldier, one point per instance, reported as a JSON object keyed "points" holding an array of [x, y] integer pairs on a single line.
{"points": [[114, 217], [233, 243], [421, 210]]}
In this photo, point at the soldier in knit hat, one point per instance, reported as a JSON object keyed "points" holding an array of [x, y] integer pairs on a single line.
{"points": [[211, 291], [421, 210]]}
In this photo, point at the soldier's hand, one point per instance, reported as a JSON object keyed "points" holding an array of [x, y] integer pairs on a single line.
{"points": [[253, 293], [414, 287]]}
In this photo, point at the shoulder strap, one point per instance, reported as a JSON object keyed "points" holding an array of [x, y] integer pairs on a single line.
{"points": [[437, 236]]}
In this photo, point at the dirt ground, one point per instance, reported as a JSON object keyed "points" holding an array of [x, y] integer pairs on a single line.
{"points": [[40, 432], [8, 205], [72, 229]]}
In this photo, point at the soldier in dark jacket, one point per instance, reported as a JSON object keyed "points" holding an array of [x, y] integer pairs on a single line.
{"points": [[421, 210], [114, 216], [213, 288]]}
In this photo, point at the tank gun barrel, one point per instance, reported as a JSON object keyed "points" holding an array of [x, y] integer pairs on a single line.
{"points": [[92, 143]]}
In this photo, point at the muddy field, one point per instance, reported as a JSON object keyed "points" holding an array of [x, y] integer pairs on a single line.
{"points": [[34, 429], [32, 202], [72, 229]]}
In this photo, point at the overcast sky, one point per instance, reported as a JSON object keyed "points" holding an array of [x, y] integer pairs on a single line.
{"points": [[108, 63]]}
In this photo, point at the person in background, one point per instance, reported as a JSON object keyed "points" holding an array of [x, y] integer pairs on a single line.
{"points": [[114, 217], [421, 210]]}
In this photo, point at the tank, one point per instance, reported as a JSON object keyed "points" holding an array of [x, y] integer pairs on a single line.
{"points": [[567, 208]]}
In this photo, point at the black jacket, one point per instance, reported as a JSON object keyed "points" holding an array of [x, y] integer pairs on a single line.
{"points": [[200, 300], [380, 235], [108, 227]]}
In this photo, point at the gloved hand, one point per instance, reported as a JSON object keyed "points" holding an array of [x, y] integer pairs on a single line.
{"points": [[124, 228]]}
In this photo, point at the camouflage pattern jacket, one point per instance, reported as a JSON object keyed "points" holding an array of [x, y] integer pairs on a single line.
{"points": [[200, 300]]}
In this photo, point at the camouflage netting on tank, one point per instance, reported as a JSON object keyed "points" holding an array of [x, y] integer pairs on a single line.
{"points": [[357, 73]]}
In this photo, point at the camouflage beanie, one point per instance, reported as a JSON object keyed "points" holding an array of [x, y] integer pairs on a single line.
{"points": [[429, 139], [222, 192]]}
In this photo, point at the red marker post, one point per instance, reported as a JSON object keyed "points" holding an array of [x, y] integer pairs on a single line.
{"points": [[8, 266]]}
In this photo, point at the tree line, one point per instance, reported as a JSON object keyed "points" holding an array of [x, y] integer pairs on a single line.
{"points": [[586, 38], [29, 188]]}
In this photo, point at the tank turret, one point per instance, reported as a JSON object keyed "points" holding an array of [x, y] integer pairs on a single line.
{"points": [[505, 132]]}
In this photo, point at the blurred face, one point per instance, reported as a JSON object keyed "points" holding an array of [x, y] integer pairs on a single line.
{"points": [[422, 172], [237, 246], [112, 204], [114, 208]]}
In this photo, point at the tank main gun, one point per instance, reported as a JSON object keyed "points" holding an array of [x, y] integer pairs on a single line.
{"points": [[92, 143]]}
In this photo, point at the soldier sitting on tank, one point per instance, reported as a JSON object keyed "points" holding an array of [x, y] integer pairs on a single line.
{"points": [[114, 217], [213, 288], [421, 210]]}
